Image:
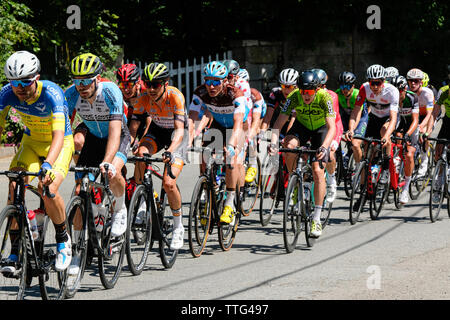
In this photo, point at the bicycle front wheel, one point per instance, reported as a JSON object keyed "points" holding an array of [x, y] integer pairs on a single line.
{"points": [[269, 200], [292, 213], [199, 217], [251, 191], [358, 196], [437, 191], [227, 232], [168, 256], [139, 237], [381, 193], [12, 285]]}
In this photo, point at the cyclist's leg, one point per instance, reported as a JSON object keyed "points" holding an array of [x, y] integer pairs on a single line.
{"points": [[320, 184], [146, 145], [79, 137]]}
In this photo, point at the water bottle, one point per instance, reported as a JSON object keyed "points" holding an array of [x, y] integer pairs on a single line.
{"points": [[40, 219], [397, 161], [100, 218], [375, 168], [33, 224]]}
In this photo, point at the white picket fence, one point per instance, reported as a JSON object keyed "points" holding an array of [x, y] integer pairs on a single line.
{"points": [[186, 77]]}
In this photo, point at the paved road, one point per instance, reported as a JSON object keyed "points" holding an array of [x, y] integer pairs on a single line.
{"points": [[400, 256]]}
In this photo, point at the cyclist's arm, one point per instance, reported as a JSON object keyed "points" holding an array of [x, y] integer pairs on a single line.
{"points": [[56, 146], [267, 118], [281, 121], [177, 138], [134, 126], [238, 119], [414, 123], [331, 126]]}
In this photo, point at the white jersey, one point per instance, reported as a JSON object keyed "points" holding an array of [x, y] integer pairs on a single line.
{"points": [[426, 100], [381, 104]]}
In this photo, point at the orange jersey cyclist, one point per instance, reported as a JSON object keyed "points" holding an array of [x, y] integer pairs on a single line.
{"points": [[166, 107], [315, 122]]}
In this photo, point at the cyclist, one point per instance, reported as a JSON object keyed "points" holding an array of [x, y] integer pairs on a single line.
{"points": [[409, 120], [258, 112], [382, 99], [277, 97], [315, 121], [426, 105], [391, 73], [426, 83], [131, 85], [331, 165], [444, 133], [347, 94], [43, 109], [100, 105], [166, 107], [227, 106]]}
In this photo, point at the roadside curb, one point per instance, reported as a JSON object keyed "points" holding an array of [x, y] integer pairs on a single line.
{"points": [[7, 152]]}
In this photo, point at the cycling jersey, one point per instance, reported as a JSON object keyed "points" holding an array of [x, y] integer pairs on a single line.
{"points": [[222, 107], [444, 99], [426, 100], [381, 104], [275, 100], [259, 106], [173, 108], [313, 115], [344, 104], [409, 106], [339, 127], [107, 106], [47, 113]]}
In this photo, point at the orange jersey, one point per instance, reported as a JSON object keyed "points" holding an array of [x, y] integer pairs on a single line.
{"points": [[173, 108]]}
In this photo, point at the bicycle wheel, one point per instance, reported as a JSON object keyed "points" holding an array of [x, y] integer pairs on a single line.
{"points": [[167, 255], [78, 233], [12, 286], [401, 184], [199, 217], [326, 212], [380, 195], [269, 200], [52, 283], [292, 213], [227, 232], [251, 191], [358, 195], [348, 176], [140, 224], [437, 187], [110, 258]]}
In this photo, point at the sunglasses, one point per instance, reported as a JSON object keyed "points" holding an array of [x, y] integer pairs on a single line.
{"points": [[127, 84], [346, 86], [415, 81], [24, 83], [287, 86], [214, 83], [375, 83], [309, 92], [153, 84], [83, 82]]}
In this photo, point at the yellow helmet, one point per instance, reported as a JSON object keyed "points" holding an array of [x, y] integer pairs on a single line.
{"points": [[156, 71], [425, 79], [86, 64]]}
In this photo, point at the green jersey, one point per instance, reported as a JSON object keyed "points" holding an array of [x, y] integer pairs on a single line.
{"points": [[312, 116], [444, 99], [343, 100]]}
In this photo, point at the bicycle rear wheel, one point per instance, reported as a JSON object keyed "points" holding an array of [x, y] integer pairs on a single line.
{"points": [[75, 210], [292, 213], [358, 196], [167, 255], [199, 217], [52, 283], [348, 176], [380, 195], [140, 225], [110, 258], [227, 232], [438, 188], [270, 184], [12, 286], [251, 191]]}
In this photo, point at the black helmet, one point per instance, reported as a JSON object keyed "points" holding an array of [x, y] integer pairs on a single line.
{"points": [[232, 66], [321, 74], [399, 82], [347, 77], [308, 80]]}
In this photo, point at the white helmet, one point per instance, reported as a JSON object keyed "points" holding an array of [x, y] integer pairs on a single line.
{"points": [[21, 64], [375, 71], [391, 72], [243, 73], [415, 74], [288, 76]]}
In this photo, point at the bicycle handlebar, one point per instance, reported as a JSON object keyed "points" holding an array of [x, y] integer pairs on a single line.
{"points": [[147, 158], [370, 139], [302, 150], [21, 174], [443, 141]]}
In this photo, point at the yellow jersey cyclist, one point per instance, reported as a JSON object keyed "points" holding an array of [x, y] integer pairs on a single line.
{"points": [[100, 106], [43, 109], [315, 122], [443, 101], [227, 107], [165, 106]]}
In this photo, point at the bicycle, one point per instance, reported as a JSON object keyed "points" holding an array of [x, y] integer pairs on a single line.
{"points": [[89, 241], [36, 258], [207, 203], [153, 224], [367, 172], [440, 181], [419, 183], [250, 190], [345, 167], [298, 202]]}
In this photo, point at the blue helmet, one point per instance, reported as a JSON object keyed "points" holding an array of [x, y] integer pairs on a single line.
{"points": [[215, 69], [243, 73]]}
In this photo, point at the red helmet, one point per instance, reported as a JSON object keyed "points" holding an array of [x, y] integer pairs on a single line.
{"points": [[128, 72]]}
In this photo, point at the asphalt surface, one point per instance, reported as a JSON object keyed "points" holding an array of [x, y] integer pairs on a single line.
{"points": [[402, 255]]}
